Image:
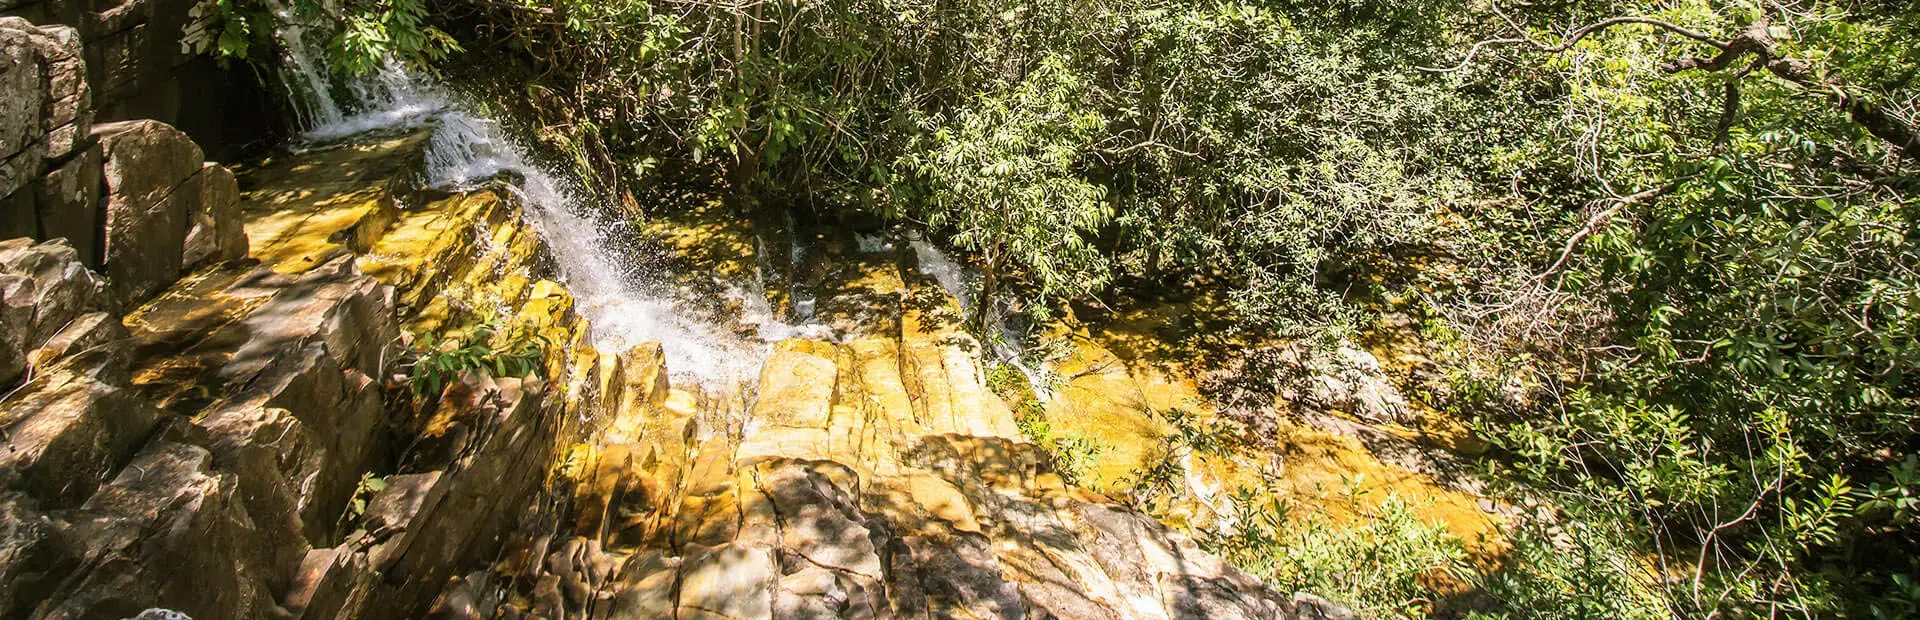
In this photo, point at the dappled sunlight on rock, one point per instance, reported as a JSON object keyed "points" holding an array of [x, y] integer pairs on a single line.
{"points": [[1316, 471]]}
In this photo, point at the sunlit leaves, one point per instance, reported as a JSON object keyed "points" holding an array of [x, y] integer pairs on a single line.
{"points": [[1005, 176], [228, 30], [374, 33]]}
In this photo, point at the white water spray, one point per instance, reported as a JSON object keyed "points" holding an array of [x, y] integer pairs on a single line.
{"points": [[303, 73], [958, 281], [624, 300], [934, 264]]}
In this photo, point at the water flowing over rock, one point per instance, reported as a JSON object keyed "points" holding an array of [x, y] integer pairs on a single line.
{"points": [[224, 425]]}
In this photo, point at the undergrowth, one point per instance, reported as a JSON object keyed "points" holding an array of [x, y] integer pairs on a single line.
{"points": [[1073, 455], [1382, 560], [439, 360]]}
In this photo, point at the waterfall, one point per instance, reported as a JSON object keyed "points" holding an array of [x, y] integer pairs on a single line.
{"points": [[309, 86], [625, 300], [935, 264], [958, 281], [391, 98]]}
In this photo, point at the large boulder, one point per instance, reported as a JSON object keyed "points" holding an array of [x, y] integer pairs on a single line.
{"points": [[23, 97], [44, 288], [45, 109], [67, 434], [150, 173], [33, 554], [171, 531], [67, 110], [215, 231]]}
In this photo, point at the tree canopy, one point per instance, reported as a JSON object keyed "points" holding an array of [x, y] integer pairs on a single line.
{"points": [[1670, 245]]}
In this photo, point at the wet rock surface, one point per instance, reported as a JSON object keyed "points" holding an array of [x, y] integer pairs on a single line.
{"points": [[215, 409], [872, 478]]}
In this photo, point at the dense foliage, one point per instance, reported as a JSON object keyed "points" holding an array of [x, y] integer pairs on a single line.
{"points": [[358, 36], [1061, 142], [1725, 313], [1669, 246]]}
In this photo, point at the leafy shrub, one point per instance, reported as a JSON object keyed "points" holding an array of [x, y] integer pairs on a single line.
{"points": [[1587, 567], [1381, 561], [1072, 455], [364, 34], [517, 352]]}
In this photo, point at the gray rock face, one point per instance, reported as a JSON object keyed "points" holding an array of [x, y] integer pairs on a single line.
{"points": [[171, 527], [33, 554], [214, 230], [136, 68], [165, 210], [43, 289], [23, 150], [67, 110], [67, 434], [23, 98], [45, 110], [148, 166], [68, 205], [115, 506], [16, 326]]}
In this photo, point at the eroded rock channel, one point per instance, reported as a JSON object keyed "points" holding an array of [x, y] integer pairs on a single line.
{"points": [[216, 409]]}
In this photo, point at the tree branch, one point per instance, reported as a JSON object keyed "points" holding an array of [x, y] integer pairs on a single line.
{"points": [[1752, 40], [1599, 220], [1568, 40]]}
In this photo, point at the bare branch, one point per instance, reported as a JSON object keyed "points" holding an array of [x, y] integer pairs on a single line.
{"points": [[1600, 219], [1753, 40], [1573, 38]]}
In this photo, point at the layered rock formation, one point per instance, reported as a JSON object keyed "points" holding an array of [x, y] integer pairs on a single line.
{"points": [[48, 170], [875, 478], [214, 408], [191, 453], [131, 196], [135, 68]]}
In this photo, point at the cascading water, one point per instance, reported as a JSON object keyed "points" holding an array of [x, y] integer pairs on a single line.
{"points": [[390, 98], [959, 281], [935, 264], [303, 73], [623, 300]]}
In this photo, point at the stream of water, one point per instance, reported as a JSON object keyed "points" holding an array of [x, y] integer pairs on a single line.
{"points": [[304, 74], [625, 300]]}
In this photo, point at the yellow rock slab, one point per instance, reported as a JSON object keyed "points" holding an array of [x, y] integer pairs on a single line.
{"points": [[300, 209]]}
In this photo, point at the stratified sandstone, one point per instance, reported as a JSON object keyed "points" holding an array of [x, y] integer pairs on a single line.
{"points": [[872, 478], [222, 425]]}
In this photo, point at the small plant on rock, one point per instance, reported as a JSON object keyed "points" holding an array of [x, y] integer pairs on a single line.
{"points": [[516, 352], [1073, 455]]}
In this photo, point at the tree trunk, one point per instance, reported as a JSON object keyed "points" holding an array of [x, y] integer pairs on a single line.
{"points": [[989, 280]]}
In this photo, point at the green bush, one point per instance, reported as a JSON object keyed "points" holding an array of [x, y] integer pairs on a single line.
{"points": [[1072, 455], [1382, 561], [515, 352]]}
